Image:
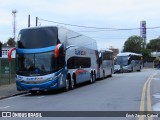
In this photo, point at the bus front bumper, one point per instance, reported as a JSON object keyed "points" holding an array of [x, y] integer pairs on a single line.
{"points": [[49, 85]]}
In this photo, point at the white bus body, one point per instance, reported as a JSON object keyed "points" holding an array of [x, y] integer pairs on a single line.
{"points": [[105, 63], [129, 61], [53, 57], [81, 64]]}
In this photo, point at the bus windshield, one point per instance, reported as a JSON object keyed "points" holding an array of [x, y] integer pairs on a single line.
{"points": [[122, 60], [37, 38], [38, 64]]}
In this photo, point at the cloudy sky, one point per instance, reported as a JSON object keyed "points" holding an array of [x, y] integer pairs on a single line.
{"points": [[92, 13]]}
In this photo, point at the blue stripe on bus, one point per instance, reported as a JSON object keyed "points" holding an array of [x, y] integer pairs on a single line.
{"points": [[38, 50]]}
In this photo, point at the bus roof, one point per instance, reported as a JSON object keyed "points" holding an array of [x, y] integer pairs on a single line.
{"points": [[71, 38], [38, 27], [107, 50], [128, 53]]}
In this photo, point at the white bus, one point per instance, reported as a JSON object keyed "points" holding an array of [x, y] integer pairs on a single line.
{"points": [[106, 63], [129, 61], [50, 57], [81, 64]]}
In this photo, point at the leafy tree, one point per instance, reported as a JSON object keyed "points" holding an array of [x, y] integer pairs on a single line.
{"points": [[146, 53], [154, 45], [133, 44], [11, 42]]}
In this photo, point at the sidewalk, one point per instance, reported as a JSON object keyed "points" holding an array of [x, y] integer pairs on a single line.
{"points": [[9, 90]]}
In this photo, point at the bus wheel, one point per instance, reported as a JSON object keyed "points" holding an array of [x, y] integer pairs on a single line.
{"points": [[67, 85], [91, 78], [72, 84]]}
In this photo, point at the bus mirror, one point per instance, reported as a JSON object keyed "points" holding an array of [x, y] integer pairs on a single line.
{"points": [[59, 50], [10, 53]]}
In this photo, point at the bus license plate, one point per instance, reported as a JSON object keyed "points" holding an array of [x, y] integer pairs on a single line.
{"points": [[35, 88]]}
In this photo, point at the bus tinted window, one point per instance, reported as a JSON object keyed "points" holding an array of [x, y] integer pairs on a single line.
{"points": [[38, 38], [78, 62], [39, 64], [107, 56], [122, 60]]}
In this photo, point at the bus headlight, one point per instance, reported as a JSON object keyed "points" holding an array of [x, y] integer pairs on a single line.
{"points": [[50, 79], [19, 78], [54, 77]]}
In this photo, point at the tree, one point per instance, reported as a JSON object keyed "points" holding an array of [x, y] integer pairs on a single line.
{"points": [[133, 44], [11, 42], [154, 45], [146, 53]]}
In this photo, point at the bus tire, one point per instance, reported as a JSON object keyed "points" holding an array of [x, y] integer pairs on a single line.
{"points": [[72, 84], [94, 78], [91, 78], [73, 81], [67, 85]]}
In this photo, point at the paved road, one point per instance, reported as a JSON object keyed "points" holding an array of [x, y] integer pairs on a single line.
{"points": [[122, 92]]}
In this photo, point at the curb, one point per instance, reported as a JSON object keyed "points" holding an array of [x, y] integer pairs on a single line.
{"points": [[16, 94]]}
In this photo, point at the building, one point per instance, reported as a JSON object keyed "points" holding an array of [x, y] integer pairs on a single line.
{"points": [[115, 51], [5, 52]]}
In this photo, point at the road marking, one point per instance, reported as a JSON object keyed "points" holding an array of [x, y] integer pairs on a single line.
{"points": [[143, 95], [149, 108], [149, 95], [13, 97], [5, 107], [146, 87]]}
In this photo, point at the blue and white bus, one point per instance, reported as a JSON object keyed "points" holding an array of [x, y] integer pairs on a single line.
{"points": [[50, 57], [129, 61]]}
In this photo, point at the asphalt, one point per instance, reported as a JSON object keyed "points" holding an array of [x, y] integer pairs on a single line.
{"points": [[9, 91]]}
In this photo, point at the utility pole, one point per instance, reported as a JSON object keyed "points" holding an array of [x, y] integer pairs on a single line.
{"points": [[36, 21], [29, 21], [14, 23], [143, 32]]}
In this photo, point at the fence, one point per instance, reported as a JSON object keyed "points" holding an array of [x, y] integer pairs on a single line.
{"points": [[7, 71]]}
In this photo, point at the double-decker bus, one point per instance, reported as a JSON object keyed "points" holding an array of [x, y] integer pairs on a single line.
{"points": [[129, 61], [105, 63], [50, 57]]}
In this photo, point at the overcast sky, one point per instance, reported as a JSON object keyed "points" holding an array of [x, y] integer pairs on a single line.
{"points": [[92, 13]]}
